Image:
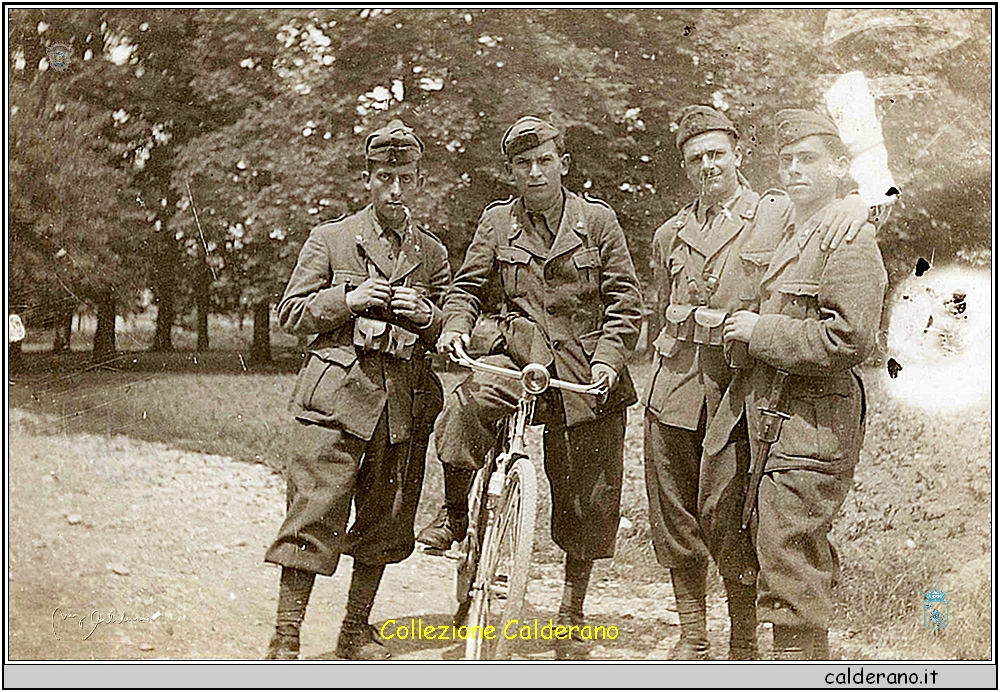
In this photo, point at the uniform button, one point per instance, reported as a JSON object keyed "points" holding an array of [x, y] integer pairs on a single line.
{"points": [[551, 309], [557, 344]]}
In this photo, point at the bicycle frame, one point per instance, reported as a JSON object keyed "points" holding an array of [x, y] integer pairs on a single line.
{"points": [[500, 495]]}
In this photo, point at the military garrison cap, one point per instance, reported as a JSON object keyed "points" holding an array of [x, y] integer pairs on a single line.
{"points": [[394, 144], [794, 124], [527, 133], [696, 120]]}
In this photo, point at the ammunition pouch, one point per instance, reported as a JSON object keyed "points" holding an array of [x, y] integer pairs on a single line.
{"points": [[371, 334], [695, 324]]}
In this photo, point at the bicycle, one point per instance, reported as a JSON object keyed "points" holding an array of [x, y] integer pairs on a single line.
{"points": [[491, 575]]}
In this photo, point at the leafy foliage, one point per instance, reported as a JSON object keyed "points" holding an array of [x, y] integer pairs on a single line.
{"points": [[256, 120]]}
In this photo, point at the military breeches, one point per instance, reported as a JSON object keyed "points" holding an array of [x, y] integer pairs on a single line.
{"points": [[384, 481], [722, 491], [583, 463], [672, 456], [796, 508]]}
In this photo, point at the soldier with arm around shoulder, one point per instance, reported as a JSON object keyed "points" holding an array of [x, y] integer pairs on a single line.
{"points": [[707, 260], [819, 314]]}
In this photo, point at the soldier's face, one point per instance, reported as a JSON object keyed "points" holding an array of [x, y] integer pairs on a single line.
{"points": [[537, 174], [390, 189], [710, 161], [810, 172]]}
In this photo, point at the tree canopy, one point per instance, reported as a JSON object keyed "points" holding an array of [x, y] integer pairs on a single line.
{"points": [[239, 130]]}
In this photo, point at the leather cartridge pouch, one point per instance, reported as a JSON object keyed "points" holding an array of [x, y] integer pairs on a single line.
{"points": [[400, 343], [708, 325], [370, 334], [678, 322]]}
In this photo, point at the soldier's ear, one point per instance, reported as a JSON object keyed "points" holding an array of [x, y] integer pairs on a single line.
{"points": [[565, 161], [420, 179], [840, 168], [738, 153], [366, 178]]}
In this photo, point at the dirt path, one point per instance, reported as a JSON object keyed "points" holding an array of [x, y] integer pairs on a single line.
{"points": [[121, 549]]}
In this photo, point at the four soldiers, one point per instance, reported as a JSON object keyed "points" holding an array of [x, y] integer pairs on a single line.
{"points": [[370, 286]]}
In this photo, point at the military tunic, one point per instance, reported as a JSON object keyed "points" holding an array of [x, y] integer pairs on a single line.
{"points": [[699, 262], [367, 413], [566, 305], [819, 315]]}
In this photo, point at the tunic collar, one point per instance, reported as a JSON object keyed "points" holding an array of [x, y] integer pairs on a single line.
{"points": [[726, 209]]}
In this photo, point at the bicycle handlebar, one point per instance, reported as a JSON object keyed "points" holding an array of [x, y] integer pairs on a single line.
{"points": [[458, 354]]}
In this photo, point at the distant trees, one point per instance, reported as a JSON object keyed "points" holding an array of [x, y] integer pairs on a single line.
{"points": [[206, 143]]}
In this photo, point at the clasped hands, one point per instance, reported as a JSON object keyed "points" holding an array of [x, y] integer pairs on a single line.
{"points": [[404, 301]]}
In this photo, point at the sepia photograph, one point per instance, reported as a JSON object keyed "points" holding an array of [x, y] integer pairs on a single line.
{"points": [[607, 335]]}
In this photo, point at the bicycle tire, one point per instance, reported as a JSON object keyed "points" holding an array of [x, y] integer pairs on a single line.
{"points": [[502, 576]]}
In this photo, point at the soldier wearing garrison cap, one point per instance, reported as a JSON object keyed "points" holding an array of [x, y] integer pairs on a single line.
{"points": [[394, 144], [801, 398], [706, 262], [570, 301], [369, 285]]}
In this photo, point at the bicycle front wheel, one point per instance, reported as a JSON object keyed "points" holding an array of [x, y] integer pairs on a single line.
{"points": [[502, 577]]}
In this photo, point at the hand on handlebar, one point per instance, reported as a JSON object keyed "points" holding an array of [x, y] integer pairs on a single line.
{"points": [[446, 342], [603, 372]]}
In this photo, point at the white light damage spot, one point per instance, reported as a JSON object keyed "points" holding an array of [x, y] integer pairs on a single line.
{"points": [[15, 329], [939, 333]]}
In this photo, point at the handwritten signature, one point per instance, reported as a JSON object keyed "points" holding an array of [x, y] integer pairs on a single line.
{"points": [[94, 620]]}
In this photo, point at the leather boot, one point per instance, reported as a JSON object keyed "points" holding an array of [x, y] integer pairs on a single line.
{"points": [[361, 644], [689, 592], [742, 603], [282, 647], [821, 646], [798, 643], [452, 520]]}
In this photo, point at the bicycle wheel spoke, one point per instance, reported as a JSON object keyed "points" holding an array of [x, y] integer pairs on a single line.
{"points": [[502, 576]]}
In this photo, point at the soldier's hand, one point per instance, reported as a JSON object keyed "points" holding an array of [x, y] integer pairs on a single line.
{"points": [[739, 326], [406, 302], [842, 221], [446, 342], [374, 292], [603, 371]]}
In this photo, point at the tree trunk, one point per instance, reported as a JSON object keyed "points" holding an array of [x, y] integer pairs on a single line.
{"points": [[166, 313], [64, 330], [104, 337], [166, 271], [260, 350], [201, 303]]}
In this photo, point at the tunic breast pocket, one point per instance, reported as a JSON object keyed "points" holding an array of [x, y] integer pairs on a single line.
{"points": [[351, 279], [588, 266], [754, 264], [799, 299], [513, 264]]}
